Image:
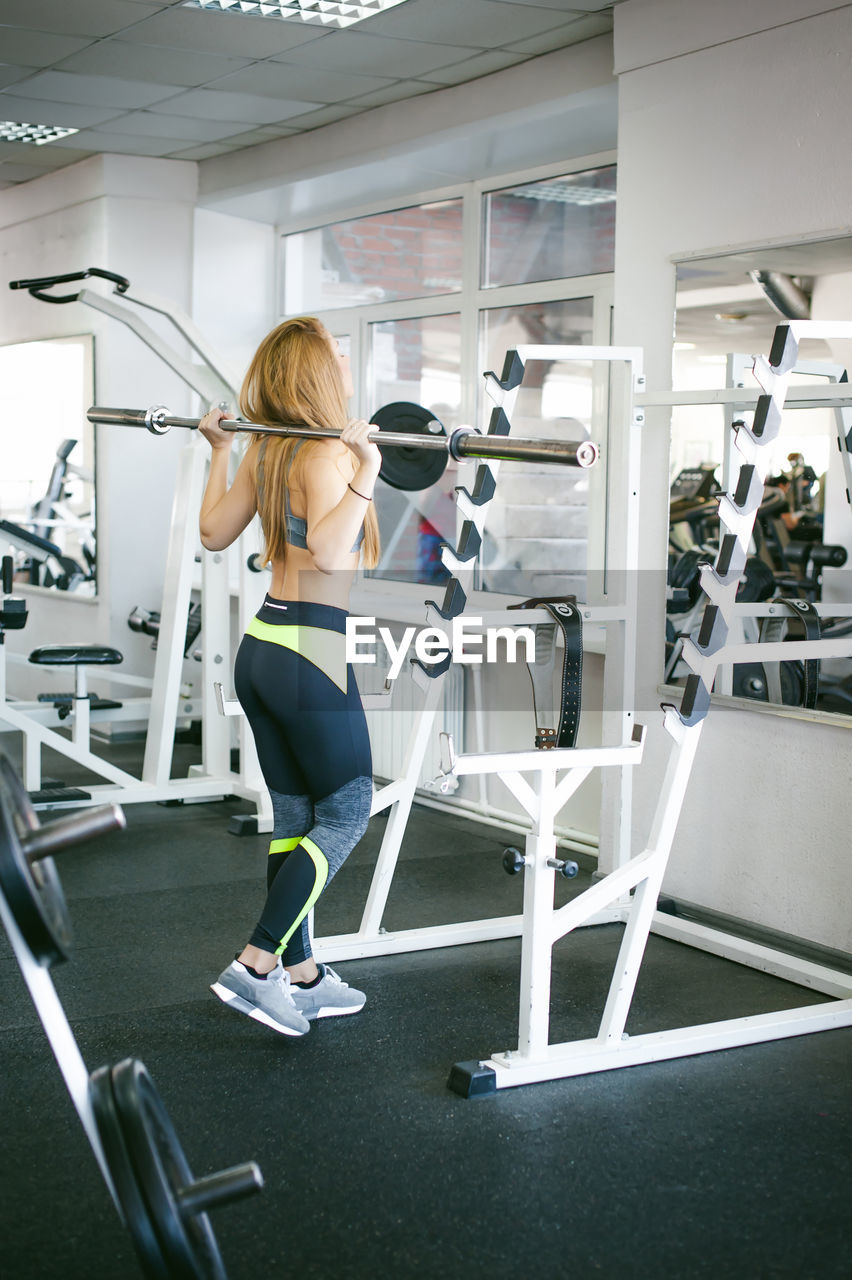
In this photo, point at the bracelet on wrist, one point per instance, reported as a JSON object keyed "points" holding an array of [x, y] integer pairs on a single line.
{"points": [[360, 495]]}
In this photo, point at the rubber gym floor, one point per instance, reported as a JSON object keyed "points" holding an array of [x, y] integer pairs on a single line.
{"points": [[733, 1163]]}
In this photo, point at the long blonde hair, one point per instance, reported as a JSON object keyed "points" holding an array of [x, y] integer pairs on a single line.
{"points": [[294, 377]]}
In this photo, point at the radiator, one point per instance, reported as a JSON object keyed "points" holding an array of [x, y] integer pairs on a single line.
{"points": [[390, 727]]}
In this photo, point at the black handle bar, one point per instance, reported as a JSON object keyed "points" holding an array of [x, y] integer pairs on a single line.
{"points": [[35, 287]]}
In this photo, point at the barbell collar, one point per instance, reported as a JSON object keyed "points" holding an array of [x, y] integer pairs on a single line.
{"points": [[52, 838], [464, 442]]}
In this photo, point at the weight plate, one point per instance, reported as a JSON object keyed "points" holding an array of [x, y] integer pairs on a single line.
{"points": [[124, 1177], [409, 467], [186, 1241], [31, 889]]}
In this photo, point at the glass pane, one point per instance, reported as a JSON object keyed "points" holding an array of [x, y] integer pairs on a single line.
{"points": [[405, 253], [802, 530], [549, 230], [537, 531], [417, 361]]}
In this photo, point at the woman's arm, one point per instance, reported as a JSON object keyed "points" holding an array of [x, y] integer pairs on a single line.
{"points": [[225, 512], [335, 507]]}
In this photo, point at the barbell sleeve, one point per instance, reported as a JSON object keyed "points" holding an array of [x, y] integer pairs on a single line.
{"points": [[464, 442]]}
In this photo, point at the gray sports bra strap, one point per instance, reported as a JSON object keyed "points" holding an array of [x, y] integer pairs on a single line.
{"points": [[258, 475], [287, 510]]}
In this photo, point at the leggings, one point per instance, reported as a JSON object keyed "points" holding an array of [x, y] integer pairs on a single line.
{"points": [[305, 713]]}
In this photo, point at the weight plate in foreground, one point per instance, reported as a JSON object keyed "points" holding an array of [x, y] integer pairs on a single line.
{"points": [[133, 1207], [31, 889], [410, 467], [185, 1240]]}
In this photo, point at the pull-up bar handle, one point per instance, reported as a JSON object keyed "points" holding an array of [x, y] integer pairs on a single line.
{"points": [[35, 287]]}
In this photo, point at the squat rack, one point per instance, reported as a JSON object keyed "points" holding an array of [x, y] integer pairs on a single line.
{"points": [[535, 1059]]}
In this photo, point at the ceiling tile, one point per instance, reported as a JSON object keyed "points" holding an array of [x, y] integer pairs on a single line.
{"points": [[563, 6], [328, 115], [134, 145], [254, 136], [304, 84], [29, 111], [209, 104], [151, 63], [37, 48], [206, 151], [205, 31], [483, 64], [594, 6], [360, 54], [25, 172], [94, 91], [150, 125], [593, 24], [11, 75], [22, 152], [393, 93], [478, 23], [75, 17]]}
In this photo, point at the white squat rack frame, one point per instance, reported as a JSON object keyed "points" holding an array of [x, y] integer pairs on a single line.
{"points": [[614, 506], [536, 1059]]}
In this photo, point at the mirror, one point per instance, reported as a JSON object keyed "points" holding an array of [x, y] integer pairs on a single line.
{"points": [[47, 485], [727, 310]]}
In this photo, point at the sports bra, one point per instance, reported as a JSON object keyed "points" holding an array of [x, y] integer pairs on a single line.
{"points": [[296, 526]]}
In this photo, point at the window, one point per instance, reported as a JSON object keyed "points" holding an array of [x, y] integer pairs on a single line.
{"points": [[47, 486], [538, 521], [560, 227], [405, 253], [417, 361], [433, 295]]}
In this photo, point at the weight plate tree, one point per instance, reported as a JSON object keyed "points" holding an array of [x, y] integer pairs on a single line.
{"points": [[164, 1206], [29, 880], [128, 1128]]}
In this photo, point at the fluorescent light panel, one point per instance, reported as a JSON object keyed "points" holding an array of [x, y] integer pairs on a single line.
{"points": [[11, 131], [321, 13]]}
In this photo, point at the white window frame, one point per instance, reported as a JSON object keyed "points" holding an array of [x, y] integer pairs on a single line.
{"points": [[467, 302]]}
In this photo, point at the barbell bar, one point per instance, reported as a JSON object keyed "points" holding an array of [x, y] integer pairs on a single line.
{"points": [[464, 442]]}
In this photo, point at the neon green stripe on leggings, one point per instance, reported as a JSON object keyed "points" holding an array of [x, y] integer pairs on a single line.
{"points": [[284, 846], [321, 875], [325, 649]]}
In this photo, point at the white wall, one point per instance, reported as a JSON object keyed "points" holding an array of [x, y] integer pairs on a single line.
{"points": [[135, 217], [731, 134]]}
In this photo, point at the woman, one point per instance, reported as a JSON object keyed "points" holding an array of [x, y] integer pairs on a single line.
{"points": [[314, 499]]}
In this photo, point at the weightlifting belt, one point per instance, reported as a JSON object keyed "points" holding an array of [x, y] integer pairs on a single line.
{"points": [[774, 629], [568, 618]]}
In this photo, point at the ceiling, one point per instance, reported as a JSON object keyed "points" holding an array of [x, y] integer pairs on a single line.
{"points": [[155, 78]]}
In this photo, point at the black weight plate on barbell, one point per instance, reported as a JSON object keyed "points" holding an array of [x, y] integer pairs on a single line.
{"points": [[187, 1242], [409, 467], [124, 1176], [32, 889]]}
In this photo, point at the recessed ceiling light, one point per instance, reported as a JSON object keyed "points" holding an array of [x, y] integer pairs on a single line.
{"points": [[731, 317], [322, 13], [39, 134]]}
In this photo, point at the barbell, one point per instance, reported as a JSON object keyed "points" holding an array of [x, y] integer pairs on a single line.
{"points": [[415, 446]]}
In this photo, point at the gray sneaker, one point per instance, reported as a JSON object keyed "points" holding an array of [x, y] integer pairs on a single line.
{"points": [[268, 1000], [330, 998]]}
